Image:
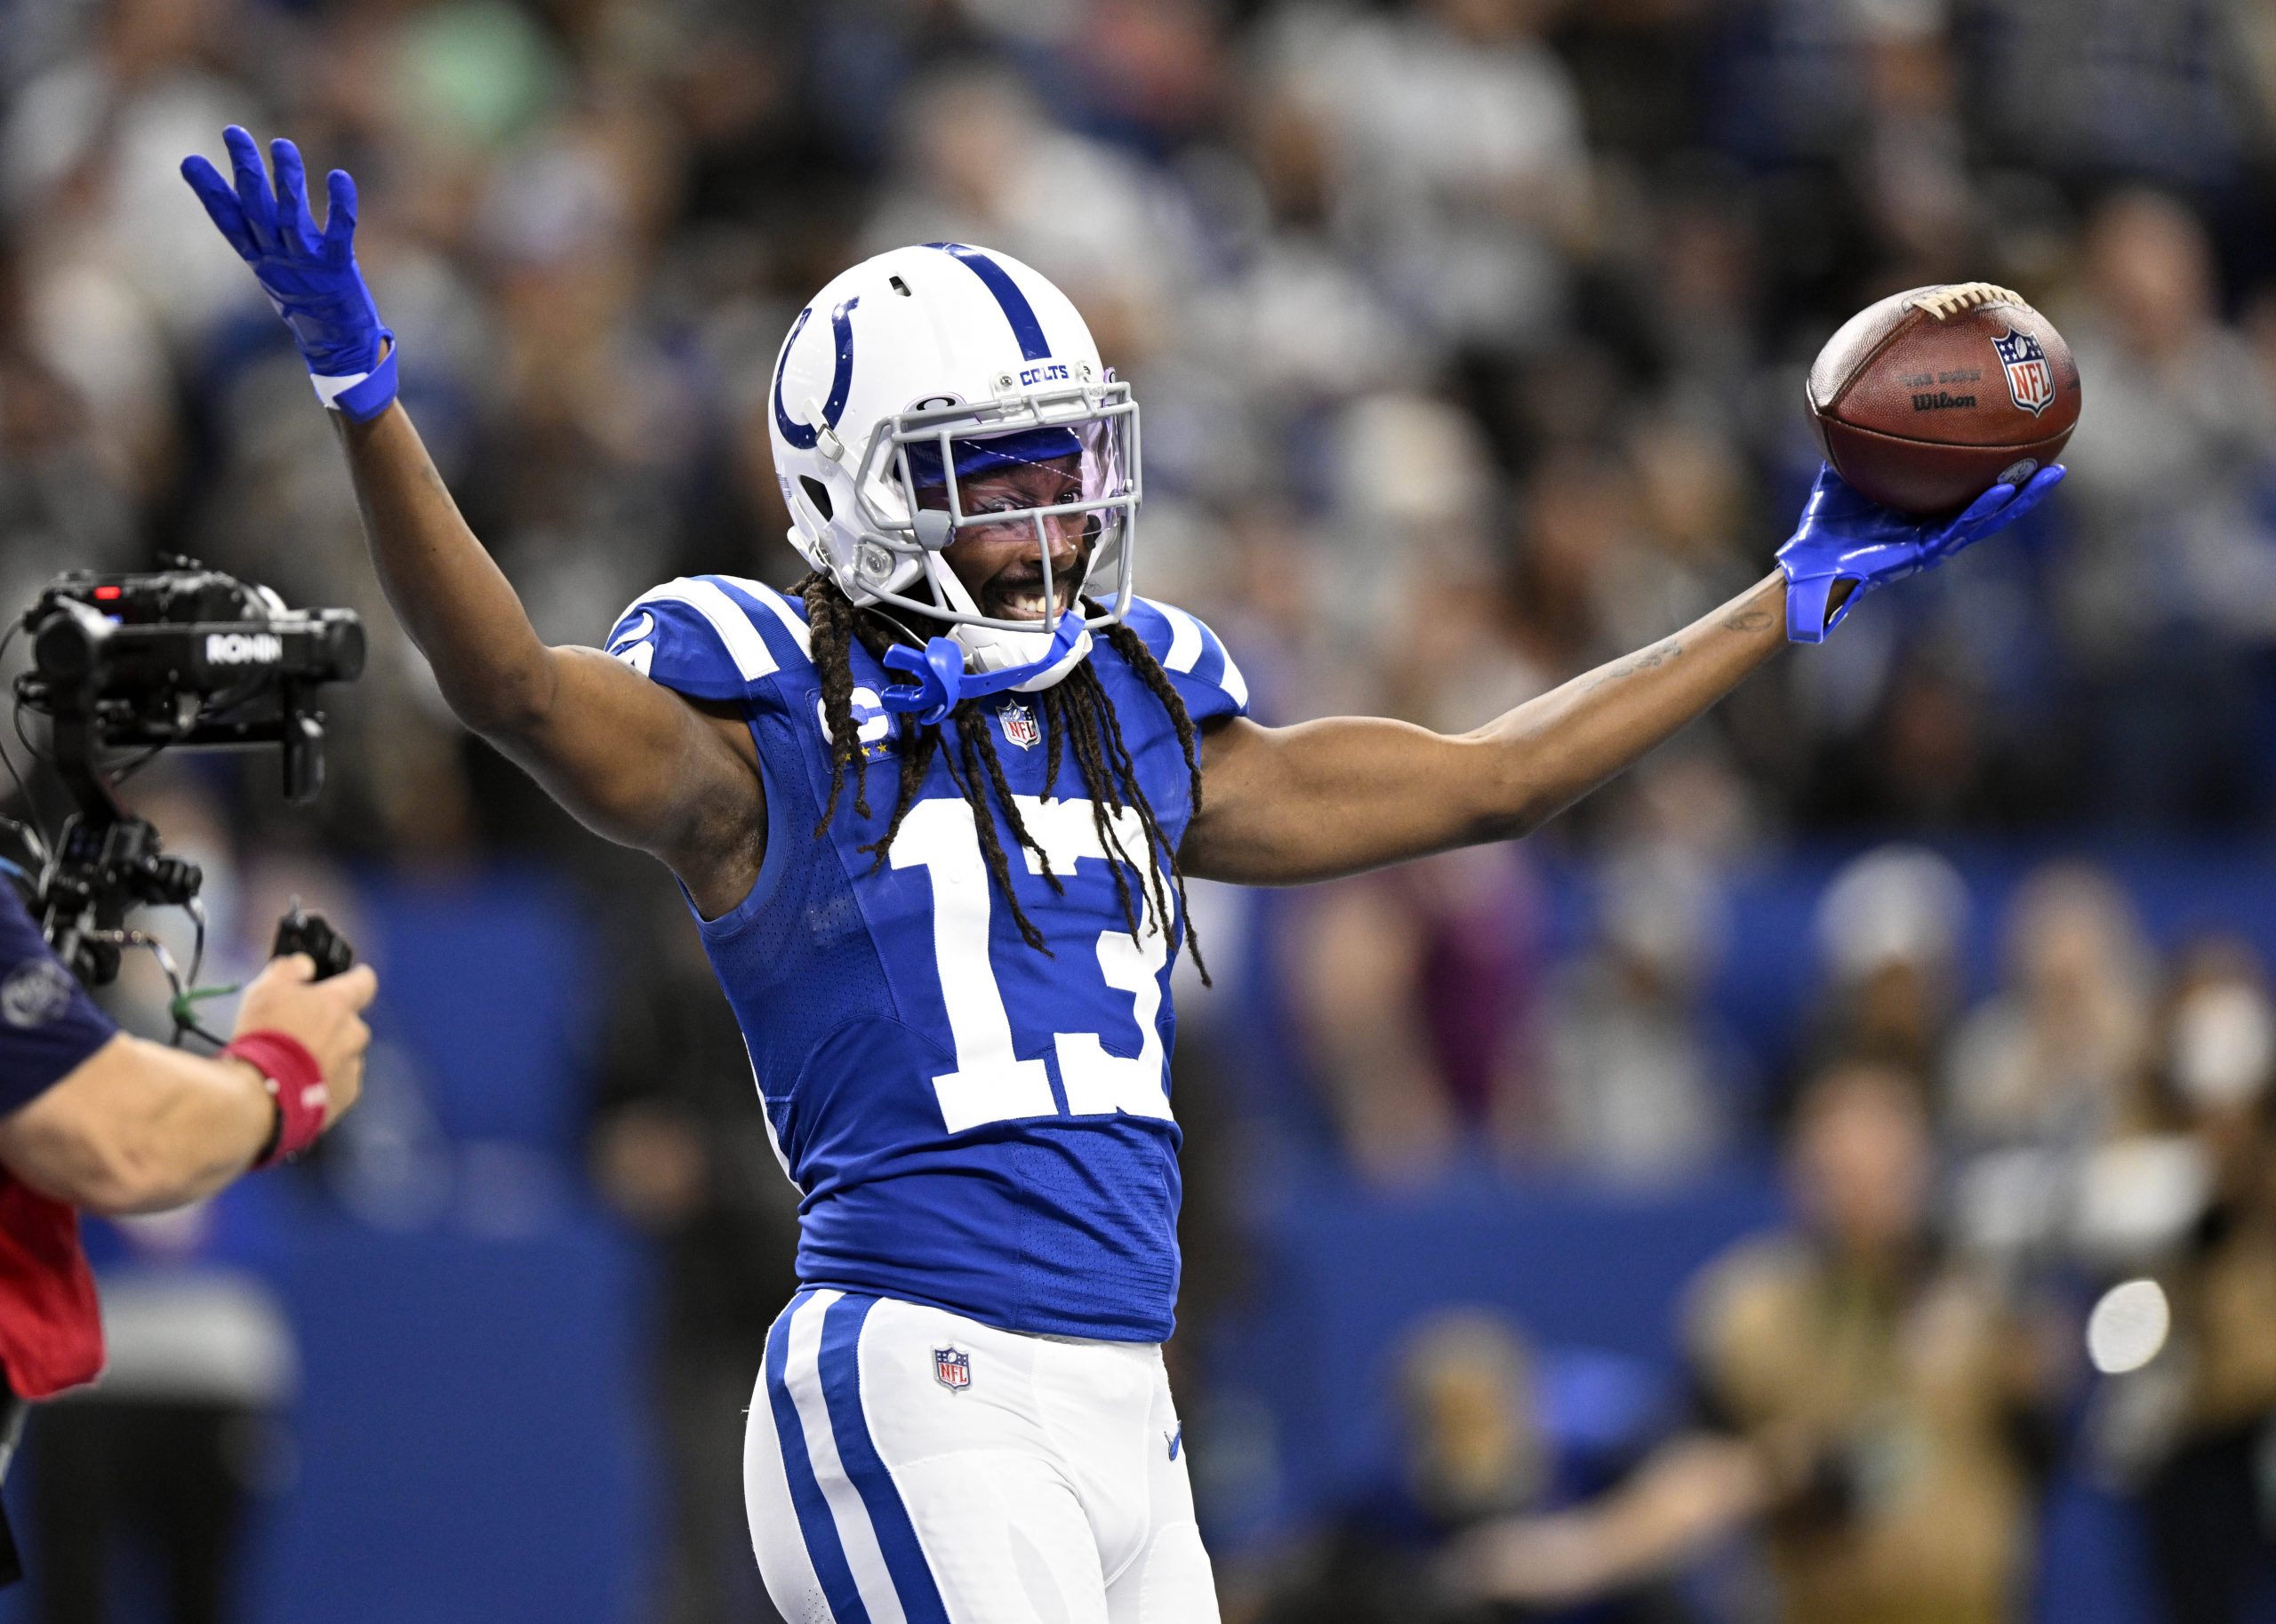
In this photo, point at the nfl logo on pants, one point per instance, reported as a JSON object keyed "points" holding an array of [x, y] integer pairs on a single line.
{"points": [[952, 1368]]}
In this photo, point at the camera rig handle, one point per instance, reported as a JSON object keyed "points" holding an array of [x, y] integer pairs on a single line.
{"points": [[312, 934]]}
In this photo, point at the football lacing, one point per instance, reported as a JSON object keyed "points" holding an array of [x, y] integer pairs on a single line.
{"points": [[1950, 301]]}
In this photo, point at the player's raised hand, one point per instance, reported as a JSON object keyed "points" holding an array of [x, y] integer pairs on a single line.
{"points": [[1844, 537], [309, 274]]}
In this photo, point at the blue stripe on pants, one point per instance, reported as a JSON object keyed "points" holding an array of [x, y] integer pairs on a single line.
{"points": [[823, 1547], [841, 1386]]}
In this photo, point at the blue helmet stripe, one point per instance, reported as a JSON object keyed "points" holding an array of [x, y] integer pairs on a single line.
{"points": [[1017, 308], [841, 380]]}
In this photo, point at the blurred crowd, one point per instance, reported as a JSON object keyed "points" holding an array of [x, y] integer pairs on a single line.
{"points": [[1469, 337], [1482, 319], [2030, 1244]]}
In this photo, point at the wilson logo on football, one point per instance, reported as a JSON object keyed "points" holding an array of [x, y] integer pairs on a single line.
{"points": [[2030, 379]]}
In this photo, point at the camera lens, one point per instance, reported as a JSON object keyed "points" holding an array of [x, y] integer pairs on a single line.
{"points": [[65, 645]]}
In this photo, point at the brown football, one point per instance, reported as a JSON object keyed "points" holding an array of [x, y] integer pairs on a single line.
{"points": [[1925, 400]]}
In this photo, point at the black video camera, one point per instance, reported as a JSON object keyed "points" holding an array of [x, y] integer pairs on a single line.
{"points": [[184, 657]]}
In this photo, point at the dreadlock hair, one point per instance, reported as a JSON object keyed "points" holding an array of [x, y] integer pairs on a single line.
{"points": [[1076, 712]]}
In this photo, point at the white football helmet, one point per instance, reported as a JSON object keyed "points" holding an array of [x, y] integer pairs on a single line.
{"points": [[926, 365]]}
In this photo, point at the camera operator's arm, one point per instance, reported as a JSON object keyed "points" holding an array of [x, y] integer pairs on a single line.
{"points": [[632, 760], [138, 1127]]}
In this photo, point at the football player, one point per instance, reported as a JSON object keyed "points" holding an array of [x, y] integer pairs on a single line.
{"points": [[934, 807]]}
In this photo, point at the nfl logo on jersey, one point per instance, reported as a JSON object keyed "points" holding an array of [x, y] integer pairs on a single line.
{"points": [[952, 1368], [2031, 380], [1020, 725]]}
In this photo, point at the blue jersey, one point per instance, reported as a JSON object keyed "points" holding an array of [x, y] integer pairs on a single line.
{"points": [[48, 1025], [973, 1123]]}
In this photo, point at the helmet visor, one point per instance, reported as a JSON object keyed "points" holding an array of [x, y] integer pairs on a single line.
{"points": [[1060, 469]]}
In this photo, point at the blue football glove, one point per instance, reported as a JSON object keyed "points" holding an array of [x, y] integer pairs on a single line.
{"points": [[1844, 537], [310, 277]]}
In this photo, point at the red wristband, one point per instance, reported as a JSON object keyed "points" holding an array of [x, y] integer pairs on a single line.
{"points": [[295, 1082]]}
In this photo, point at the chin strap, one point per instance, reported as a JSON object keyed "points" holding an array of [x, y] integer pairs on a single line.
{"points": [[942, 683]]}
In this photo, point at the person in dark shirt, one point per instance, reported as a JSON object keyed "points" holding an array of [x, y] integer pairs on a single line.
{"points": [[93, 1119], [1874, 1407], [98, 1120]]}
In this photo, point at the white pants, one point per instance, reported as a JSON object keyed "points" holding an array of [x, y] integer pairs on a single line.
{"points": [[908, 1466]]}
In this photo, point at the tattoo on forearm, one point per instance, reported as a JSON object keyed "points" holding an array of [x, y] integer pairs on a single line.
{"points": [[1658, 655], [1750, 621]]}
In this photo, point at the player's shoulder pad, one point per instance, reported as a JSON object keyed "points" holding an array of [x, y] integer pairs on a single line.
{"points": [[1199, 666], [713, 636]]}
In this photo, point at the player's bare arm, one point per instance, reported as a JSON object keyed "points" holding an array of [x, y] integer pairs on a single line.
{"points": [[1336, 796], [1281, 806], [633, 761], [642, 765], [1285, 805]]}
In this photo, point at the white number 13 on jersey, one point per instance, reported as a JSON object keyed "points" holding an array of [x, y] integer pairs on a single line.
{"points": [[991, 1083]]}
